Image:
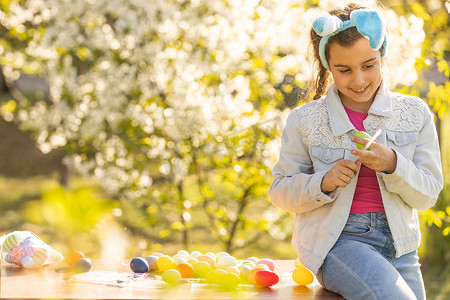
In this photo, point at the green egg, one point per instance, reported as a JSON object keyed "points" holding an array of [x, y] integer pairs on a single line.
{"points": [[361, 134], [171, 276]]}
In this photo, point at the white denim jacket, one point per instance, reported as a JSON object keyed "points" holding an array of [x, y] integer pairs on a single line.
{"points": [[317, 134]]}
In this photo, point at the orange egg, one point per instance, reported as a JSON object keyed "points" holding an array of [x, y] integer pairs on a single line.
{"points": [[186, 270], [73, 257]]}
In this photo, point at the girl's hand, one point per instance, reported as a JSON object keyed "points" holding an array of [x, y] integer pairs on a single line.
{"points": [[379, 158], [340, 174]]}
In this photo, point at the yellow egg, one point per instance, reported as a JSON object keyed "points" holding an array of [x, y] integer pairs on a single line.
{"points": [[298, 263], [165, 263], [302, 276], [40, 256], [215, 276], [201, 268], [229, 281], [172, 277], [11, 241]]}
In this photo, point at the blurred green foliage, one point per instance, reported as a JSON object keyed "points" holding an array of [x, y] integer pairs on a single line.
{"points": [[71, 216]]}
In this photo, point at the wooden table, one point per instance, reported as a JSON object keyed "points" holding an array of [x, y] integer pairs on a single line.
{"points": [[51, 282]]}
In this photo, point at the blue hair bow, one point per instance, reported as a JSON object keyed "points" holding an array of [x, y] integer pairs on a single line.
{"points": [[370, 23]]}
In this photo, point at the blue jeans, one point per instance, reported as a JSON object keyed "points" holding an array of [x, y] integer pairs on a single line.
{"points": [[362, 263]]}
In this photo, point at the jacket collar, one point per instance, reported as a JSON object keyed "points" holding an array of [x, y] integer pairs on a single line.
{"points": [[339, 120]]}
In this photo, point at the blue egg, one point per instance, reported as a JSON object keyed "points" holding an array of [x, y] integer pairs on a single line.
{"points": [[139, 265]]}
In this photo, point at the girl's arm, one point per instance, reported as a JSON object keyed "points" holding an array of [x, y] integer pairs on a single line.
{"points": [[295, 187], [419, 181]]}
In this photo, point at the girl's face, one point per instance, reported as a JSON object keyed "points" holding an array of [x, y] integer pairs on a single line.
{"points": [[356, 72]]}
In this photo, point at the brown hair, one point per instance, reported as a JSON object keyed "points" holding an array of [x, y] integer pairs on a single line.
{"points": [[345, 38]]}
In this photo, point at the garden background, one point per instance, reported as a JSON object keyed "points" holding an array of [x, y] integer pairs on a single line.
{"points": [[132, 126]]}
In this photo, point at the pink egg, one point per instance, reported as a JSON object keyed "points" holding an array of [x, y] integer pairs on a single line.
{"points": [[266, 278], [253, 259], [268, 262]]}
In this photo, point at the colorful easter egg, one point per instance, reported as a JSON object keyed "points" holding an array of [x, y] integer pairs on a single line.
{"points": [[152, 262], [302, 276], [212, 255], [184, 253], [249, 263], [268, 262], [186, 270], [192, 261], [195, 254], [139, 265], [229, 281], [266, 278], [27, 262], [201, 268], [178, 259], [252, 273], [253, 259], [215, 276], [298, 263], [11, 241], [40, 256], [361, 134], [266, 267], [226, 261], [83, 265], [233, 269], [208, 259], [165, 263], [171, 277], [243, 270], [73, 256], [11, 259], [221, 254]]}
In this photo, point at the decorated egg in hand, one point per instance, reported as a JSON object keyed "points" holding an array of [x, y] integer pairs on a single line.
{"points": [[364, 135]]}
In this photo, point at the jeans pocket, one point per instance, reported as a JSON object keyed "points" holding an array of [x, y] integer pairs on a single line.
{"points": [[357, 229]]}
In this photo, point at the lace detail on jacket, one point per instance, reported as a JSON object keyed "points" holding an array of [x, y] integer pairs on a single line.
{"points": [[314, 123]]}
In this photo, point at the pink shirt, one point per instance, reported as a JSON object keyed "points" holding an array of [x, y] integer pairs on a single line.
{"points": [[367, 197]]}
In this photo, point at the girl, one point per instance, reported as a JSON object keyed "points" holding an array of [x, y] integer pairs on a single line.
{"points": [[356, 224]]}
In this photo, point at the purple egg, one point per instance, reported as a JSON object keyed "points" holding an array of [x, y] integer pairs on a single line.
{"points": [[152, 262], [139, 265]]}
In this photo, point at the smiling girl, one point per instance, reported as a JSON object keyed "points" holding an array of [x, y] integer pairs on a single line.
{"points": [[356, 224]]}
